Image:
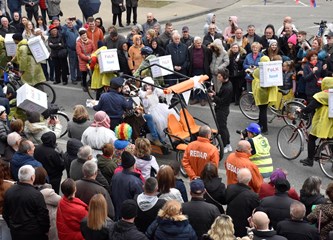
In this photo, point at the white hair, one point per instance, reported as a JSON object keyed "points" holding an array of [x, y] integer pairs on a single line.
{"points": [[12, 138], [84, 152], [25, 173], [244, 175], [197, 38], [89, 168]]}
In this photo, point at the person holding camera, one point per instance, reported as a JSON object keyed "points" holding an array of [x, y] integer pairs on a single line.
{"points": [[260, 154], [223, 99]]}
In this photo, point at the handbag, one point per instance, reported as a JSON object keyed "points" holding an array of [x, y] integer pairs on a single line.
{"points": [[122, 8]]}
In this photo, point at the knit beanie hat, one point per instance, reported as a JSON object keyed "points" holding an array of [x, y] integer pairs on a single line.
{"points": [[127, 160], [2, 109], [82, 31], [271, 41], [218, 43], [292, 39], [129, 209], [123, 131]]}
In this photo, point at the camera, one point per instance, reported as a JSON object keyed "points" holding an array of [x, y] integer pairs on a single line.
{"points": [[243, 132], [72, 18]]}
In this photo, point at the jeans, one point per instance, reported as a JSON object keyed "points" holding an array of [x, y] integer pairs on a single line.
{"points": [[4, 230], [73, 64], [151, 126]]}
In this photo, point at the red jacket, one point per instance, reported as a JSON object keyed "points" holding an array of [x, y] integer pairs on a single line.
{"points": [[197, 155], [238, 160], [83, 52], [268, 189], [69, 216]]}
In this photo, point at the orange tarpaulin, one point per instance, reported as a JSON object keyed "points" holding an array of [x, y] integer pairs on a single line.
{"points": [[185, 86]]}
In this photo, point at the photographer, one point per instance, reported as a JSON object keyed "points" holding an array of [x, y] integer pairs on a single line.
{"points": [[260, 149]]}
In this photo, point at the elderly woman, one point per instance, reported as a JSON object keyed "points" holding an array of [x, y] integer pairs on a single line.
{"points": [[251, 62], [220, 61], [98, 133]]}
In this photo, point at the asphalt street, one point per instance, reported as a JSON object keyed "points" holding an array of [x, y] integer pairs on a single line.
{"points": [[249, 12]]}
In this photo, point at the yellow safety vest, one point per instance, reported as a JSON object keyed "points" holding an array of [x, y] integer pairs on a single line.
{"points": [[262, 158]]}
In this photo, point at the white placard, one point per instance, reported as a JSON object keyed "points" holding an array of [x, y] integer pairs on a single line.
{"points": [[38, 49], [31, 99], [271, 74], [90, 103], [10, 45], [330, 103], [164, 61], [108, 60]]}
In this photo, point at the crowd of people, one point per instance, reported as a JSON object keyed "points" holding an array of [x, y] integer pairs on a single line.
{"points": [[115, 188]]}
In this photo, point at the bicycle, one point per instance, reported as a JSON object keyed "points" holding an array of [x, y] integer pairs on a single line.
{"points": [[323, 29], [286, 107], [54, 111], [13, 80], [291, 139]]}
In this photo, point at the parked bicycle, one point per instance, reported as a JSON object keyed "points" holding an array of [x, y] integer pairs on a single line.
{"points": [[283, 110], [13, 80], [323, 29], [291, 140]]}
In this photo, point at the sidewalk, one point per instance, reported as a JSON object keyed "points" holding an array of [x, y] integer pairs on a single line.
{"points": [[163, 10]]}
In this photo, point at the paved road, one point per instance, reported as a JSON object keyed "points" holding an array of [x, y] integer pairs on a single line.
{"points": [[254, 12]]}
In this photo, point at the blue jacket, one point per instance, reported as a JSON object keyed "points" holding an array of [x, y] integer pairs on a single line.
{"points": [[311, 78], [162, 229], [14, 5], [71, 34], [114, 104], [125, 185], [19, 160], [322, 54], [249, 61]]}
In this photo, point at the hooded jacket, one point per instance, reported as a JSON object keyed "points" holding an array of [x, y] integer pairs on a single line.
{"points": [[209, 17], [72, 148], [148, 207], [34, 131], [134, 54], [47, 154], [107, 166], [215, 192], [309, 200], [123, 230], [21, 159]]}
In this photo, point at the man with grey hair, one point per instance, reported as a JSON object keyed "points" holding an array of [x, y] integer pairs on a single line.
{"points": [[200, 58], [296, 228], [179, 56], [84, 155], [13, 140], [24, 208], [240, 196], [5, 27], [200, 152], [87, 187], [23, 156]]}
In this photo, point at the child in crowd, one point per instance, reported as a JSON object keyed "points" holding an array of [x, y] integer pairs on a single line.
{"points": [[144, 160]]}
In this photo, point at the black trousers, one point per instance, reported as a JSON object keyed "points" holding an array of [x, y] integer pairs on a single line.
{"points": [[61, 69], [222, 117], [84, 78], [238, 84], [128, 14], [311, 146], [32, 11], [114, 20], [263, 117]]}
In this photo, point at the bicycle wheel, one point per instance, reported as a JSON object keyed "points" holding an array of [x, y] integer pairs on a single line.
{"points": [[248, 106], [290, 142], [179, 157], [325, 158], [91, 92], [289, 110], [44, 87], [217, 142], [64, 119]]}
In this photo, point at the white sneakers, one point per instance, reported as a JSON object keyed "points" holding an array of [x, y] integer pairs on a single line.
{"points": [[227, 148]]}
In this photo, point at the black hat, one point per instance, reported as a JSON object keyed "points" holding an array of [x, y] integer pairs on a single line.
{"points": [[127, 160], [129, 209], [17, 37], [282, 185]]}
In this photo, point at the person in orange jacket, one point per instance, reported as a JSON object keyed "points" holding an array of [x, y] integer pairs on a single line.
{"points": [[200, 152], [240, 159]]}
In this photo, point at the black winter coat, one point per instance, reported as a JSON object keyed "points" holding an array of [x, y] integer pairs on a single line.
{"points": [[236, 67], [115, 6], [297, 230], [179, 55], [200, 214], [25, 212], [241, 201], [131, 3], [310, 200], [49, 157], [72, 149], [4, 131], [207, 60], [216, 190], [267, 235], [56, 44], [126, 231], [90, 234], [277, 207]]}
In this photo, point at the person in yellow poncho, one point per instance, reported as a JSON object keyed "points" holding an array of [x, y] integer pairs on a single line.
{"points": [[3, 55], [32, 72], [322, 125], [263, 96], [99, 81]]}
